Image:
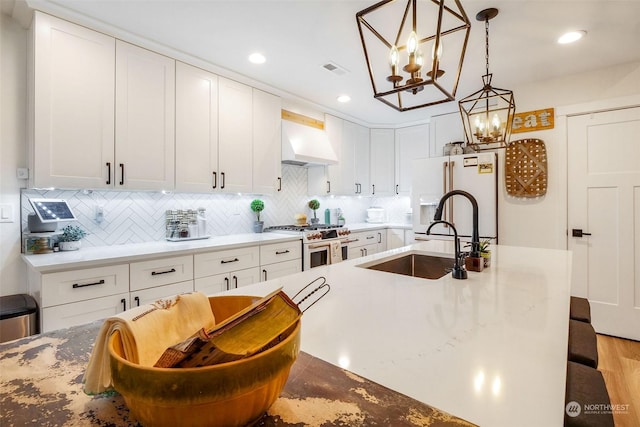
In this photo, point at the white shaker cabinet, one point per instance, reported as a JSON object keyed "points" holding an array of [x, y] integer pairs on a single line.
{"points": [[235, 130], [382, 162], [196, 129], [218, 271], [411, 143], [267, 143], [72, 104], [145, 123], [444, 129]]}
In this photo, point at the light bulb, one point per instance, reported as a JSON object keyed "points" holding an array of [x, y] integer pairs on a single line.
{"points": [[496, 122], [419, 59], [437, 55], [394, 57], [412, 43]]}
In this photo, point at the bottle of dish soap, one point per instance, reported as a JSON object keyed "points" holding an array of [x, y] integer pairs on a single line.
{"points": [[327, 216]]}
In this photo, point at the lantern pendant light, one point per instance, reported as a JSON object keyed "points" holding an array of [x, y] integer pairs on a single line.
{"points": [[487, 114]]}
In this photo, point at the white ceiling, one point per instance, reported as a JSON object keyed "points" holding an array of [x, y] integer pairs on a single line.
{"points": [[299, 36]]}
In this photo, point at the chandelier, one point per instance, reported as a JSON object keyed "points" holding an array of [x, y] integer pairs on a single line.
{"points": [[487, 114], [425, 69]]}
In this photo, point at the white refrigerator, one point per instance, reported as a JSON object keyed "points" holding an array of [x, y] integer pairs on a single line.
{"points": [[476, 174]]}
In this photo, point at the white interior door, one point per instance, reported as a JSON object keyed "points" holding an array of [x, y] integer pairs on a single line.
{"points": [[604, 201]]}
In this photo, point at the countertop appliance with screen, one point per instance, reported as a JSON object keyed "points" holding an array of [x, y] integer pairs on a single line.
{"points": [[52, 210]]}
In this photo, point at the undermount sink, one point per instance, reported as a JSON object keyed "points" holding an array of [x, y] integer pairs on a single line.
{"points": [[415, 265]]}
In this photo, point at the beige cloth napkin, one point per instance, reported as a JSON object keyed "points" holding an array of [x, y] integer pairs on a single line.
{"points": [[146, 332], [335, 251]]}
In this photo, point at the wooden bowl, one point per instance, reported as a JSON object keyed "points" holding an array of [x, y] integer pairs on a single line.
{"points": [[228, 394]]}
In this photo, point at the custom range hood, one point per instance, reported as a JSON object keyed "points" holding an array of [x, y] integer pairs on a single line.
{"points": [[304, 141]]}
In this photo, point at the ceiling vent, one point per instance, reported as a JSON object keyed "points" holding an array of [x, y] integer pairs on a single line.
{"points": [[335, 68]]}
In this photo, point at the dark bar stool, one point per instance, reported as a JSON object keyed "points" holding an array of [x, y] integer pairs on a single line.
{"points": [[586, 398], [583, 346], [579, 309]]}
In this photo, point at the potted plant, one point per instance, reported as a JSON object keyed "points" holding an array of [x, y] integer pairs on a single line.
{"points": [[314, 205], [69, 240], [257, 206], [485, 253]]}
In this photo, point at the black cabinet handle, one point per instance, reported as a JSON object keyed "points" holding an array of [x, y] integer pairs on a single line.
{"points": [[222, 176], [265, 274], [215, 179], [282, 252], [379, 237], [279, 183], [373, 189], [328, 186], [77, 285], [577, 232], [121, 173], [227, 262], [235, 282], [108, 173], [124, 304], [156, 273], [397, 189], [369, 237], [137, 300], [356, 188], [226, 280]]}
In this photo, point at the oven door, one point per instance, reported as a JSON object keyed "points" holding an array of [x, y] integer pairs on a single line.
{"points": [[317, 254]]}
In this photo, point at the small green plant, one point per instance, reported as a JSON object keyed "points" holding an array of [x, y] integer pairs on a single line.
{"points": [[72, 233], [484, 246], [257, 206], [314, 205]]}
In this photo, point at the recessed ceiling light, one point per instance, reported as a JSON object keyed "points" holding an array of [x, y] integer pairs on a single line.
{"points": [[257, 58], [344, 98], [571, 36]]}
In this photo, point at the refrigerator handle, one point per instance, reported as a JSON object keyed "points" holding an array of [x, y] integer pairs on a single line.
{"points": [[445, 166], [451, 187]]}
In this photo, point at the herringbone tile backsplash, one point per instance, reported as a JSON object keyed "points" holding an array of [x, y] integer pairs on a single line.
{"points": [[139, 216]]}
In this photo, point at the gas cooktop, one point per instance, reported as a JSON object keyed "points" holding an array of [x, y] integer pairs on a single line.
{"points": [[300, 228]]}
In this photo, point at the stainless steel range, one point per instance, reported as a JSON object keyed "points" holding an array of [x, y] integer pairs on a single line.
{"points": [[318, 247]]}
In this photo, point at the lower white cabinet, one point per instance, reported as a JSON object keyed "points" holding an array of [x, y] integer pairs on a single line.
{"points": [[148, 296], [223, 282], [395, 238], [161, 271], [79, 313], [281, 269], [225, 261], [365, 243]]}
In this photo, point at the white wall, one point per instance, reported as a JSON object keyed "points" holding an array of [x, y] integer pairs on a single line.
{"points": [[13, 93], [541, 222]]}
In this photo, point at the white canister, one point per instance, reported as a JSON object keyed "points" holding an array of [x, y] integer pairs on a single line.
{"points": [[376, 215]]}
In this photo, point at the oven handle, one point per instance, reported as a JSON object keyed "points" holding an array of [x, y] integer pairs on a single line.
{"points": [[342, 242]]}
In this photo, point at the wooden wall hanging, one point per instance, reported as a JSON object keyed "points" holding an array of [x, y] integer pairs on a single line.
{"points": [[526, 168]]}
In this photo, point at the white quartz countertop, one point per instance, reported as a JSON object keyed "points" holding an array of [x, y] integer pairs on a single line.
{"points": [[491, 349], [94, 256]]}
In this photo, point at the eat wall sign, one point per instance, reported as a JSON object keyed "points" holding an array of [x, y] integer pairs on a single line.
{"points": [[533, 120]]}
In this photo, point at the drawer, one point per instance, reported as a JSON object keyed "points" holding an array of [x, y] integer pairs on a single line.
{"points": [[218, 262], [161, 271], [148, 296], [79, 313], [363, 238], [79, 285], [279, 252]]}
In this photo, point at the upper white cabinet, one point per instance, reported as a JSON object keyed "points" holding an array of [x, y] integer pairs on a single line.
{"points": [[196, 129], [235, 130], [267, 141], [444, 129], [72, 100], [145, 123], [382, 162], [411, 143]]}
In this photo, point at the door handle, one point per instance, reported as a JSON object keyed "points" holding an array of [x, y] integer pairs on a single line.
{"points": [[397, 185], [137, 300], [124, 304], [279, 183], [226, 281], [577, 232], [215, 180], [265, 274], [328, 186], [235, 282], [108, 173], [121, 173], [373, 189], [222, 176]]}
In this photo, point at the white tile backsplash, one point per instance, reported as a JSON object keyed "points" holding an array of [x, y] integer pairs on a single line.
{"points": [[139, 216]]}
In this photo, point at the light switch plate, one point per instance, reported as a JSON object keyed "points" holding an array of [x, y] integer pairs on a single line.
{"points": [[22, 173], [6, 212]]}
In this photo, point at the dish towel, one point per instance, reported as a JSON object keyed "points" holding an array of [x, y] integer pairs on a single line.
{"points": [[146, 332], [335, 251]]}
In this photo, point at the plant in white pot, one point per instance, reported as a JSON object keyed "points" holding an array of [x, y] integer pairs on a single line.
{"points": [[314, 205], [70, 238], [257, 206]]}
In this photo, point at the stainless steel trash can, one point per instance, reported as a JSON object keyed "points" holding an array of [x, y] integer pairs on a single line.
{"points": [[18, 317]]}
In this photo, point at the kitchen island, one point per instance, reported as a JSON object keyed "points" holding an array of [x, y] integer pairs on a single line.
{"points": [[490, 349]]}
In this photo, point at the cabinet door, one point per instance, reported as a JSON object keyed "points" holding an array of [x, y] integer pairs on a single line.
{"points": [[382, 162], [334, 179], [212, 284], [145, 118], [79, 313], [395, 238], [196, 129], [361, 160], [235, 136], [281, 269], [411, 143], [318, 183], [244, 277], [445, 129], [73, 105], [267, 143], [347, 184], [381, 244], [151, 295]]}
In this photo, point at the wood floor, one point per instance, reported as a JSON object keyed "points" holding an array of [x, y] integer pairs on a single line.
{"points": [[619, 362]]}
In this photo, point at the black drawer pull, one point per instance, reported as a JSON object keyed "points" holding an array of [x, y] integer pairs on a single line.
{"points": [[124, 304], [77, 285], [226, 281], [227, 262], [121, 173], [137, 299], [215, 180], [155, 273], [369, 237], [282, 252], [265, 274], [108, 173]]}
